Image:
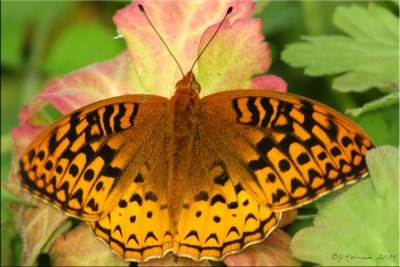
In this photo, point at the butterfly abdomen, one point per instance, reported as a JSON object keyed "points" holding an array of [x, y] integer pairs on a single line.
{"points": [[182, 128]]}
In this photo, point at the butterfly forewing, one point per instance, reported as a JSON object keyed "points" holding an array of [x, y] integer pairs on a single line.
{"points": [[84, 162], [289, 149]]}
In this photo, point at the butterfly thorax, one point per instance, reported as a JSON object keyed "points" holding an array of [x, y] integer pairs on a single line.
{"points": [[181, 131]]}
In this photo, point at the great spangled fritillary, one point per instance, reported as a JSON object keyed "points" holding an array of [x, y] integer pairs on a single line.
{"points": [[203, 178]]}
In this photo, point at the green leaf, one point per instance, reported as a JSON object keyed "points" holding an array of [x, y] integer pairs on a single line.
{"points": [[359, 227], [381, 125], [275, 14], [369, 54], [387, 100], [8, 196], [11, 40], [27, 21], [9, 239], [383, 165], [81, 45]]}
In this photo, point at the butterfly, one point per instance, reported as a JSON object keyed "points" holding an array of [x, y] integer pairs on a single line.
{"points": [[203, 178]]}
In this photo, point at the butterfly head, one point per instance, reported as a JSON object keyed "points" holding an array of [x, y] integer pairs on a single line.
{"points": [[188, 82]]}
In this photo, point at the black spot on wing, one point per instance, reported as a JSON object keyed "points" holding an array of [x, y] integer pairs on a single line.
{"points": [[250, 216], [303, 158], [150, 196], [233, 229], [221, 179], [136, 198], [212, 236], [258, 164], [53, 143], [346, 141], [192, 233], [134, 113], [122, 203], [107, 153], [335, 151], [276, 197], [286, 142], [332, 130], [202, 196], [271, 178], [93, 205], [295, 184], [269, 111], [233, 205], [59, 169], [113, 172], [73, 170], [106, 119], [150, 235], [49, 165], [217, 198], [255, 113], [41, 155], [118, 117], [89, 175], [31, 155], [133, 237], [138, 178], [236, 108], [118, 229], [284, 165], [265, 145], [238, 188], [99, 186]]}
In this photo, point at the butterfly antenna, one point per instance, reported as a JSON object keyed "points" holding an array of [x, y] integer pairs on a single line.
{"points": [[144, 12], [212, 37]]}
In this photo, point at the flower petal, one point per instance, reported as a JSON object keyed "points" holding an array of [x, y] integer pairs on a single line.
{"points": [[269, 82], [23, 136], [93, 83], [235, 54], [274, 251], [80, 247], [181, 24], [171, 260]]}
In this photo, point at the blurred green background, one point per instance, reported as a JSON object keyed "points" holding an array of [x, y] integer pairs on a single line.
{"points": [[44, 40]]}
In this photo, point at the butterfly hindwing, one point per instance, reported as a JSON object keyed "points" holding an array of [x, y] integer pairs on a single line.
{"points": [[138, 227], [218, 216], [82, 162], [290, 149]]}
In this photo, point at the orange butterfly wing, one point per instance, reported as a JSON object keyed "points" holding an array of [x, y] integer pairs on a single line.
{"points": [[258, 153], [292, 149], [85, 161]]}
